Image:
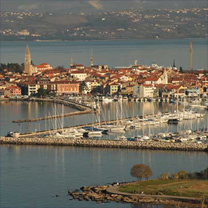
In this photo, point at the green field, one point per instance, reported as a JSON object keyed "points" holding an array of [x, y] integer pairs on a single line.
{"points": [[186, 188]]}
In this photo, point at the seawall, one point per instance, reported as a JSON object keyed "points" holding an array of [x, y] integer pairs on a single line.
{"points": [[153, 145]]}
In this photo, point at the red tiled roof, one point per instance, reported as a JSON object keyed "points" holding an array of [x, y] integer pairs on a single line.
{"points": [[147, 85], [152, 78]]}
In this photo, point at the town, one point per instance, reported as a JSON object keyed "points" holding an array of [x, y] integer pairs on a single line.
{"points": [[126, 24], [132, 82]]}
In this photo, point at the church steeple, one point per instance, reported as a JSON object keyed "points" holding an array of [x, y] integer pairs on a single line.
{"points": [[165, 77], [27, 63]]}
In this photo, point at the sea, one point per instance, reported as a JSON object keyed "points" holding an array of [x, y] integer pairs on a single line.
{"points": [[112, 53], [40, 176]]}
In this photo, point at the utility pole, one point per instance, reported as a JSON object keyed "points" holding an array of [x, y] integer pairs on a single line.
{"points": [[71, 64], [191, 57], [91, 59]]}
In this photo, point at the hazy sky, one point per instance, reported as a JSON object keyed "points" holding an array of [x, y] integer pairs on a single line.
{"points": [[94, 5]]}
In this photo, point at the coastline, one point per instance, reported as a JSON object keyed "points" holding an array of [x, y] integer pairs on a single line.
{"points": [[110, 193], [151, 145], [104, 40]]}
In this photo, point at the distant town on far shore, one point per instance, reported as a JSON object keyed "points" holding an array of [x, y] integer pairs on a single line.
{"points": [[112, 25]]}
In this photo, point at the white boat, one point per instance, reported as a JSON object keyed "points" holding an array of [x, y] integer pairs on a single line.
{"points": [[145, 138], [116, 129], [120, 138], [95, 134], [105, 100]]}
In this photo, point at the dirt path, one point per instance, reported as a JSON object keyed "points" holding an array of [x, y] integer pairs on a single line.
{"points": [[114, 190]]}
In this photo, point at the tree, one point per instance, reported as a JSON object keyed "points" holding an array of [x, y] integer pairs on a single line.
{"points": [[175, 176], [164, 176], [61, 68], [147, 172], [83, 87], [42, 92], [96, 90], [141, 171], [182, 174]]}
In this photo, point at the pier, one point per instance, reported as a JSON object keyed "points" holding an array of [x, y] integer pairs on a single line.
{"points": [[82, 109]]}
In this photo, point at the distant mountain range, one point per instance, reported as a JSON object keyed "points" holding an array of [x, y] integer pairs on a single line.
{"points": [[93, 6]]}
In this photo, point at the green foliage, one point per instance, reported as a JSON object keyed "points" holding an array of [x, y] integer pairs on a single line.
{"points": [[164, 176], [11, 67], [96, 90], [83, 87], [186, 188], [42, 92], [195, 175], [182, 174]]}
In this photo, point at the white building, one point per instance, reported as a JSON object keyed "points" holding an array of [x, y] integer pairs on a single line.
{"points": [[33, 88], [81, 76], [146, 90], [162, 79]]}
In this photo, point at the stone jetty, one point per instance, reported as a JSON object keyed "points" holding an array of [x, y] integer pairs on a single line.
{"points": [[82, 109], [153, 145], [109, 193]]}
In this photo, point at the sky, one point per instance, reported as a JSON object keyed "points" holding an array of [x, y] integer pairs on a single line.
{"points": [[87, 6]]}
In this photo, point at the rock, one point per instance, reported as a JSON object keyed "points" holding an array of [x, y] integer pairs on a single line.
{"points": [[83, 188], [69, 192], [80, 198], [85, 197], [89, 188]]}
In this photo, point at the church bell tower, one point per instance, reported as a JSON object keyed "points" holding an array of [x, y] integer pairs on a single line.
{"points": [[27, 63]]}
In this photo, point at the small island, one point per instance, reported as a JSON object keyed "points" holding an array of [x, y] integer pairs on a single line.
{"points": [[179, 189]]}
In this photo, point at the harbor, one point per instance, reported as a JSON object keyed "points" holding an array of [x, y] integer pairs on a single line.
{"points": [[121, 127]]}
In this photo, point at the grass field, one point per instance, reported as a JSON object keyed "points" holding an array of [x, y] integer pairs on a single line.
{"points": [[187, 188]]}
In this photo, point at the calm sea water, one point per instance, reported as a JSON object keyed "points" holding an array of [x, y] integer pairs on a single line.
{"points": [[112, 53], [31, 176]]}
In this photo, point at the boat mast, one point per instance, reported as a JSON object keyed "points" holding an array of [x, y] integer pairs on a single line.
{"points": [[62, 122], [55, 122]]}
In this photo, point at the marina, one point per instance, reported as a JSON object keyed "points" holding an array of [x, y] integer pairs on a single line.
{"points": [[120, 128]]}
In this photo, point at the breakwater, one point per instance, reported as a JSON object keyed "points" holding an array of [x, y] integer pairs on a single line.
{"points": [[153, 145], [82, 109]]}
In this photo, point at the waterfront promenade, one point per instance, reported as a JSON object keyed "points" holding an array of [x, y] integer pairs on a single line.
{"points": [[153, 145]]}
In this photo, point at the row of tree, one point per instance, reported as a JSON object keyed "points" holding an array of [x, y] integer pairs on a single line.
{"points": [[203, 175], [141, 171], [11, 67]]}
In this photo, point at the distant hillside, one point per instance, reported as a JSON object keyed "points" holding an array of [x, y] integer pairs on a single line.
{"points": [[87, 6], [126, 24]]}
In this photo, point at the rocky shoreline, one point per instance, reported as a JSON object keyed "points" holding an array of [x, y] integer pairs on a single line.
{"points": [[105, 194], [152, 145]]}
